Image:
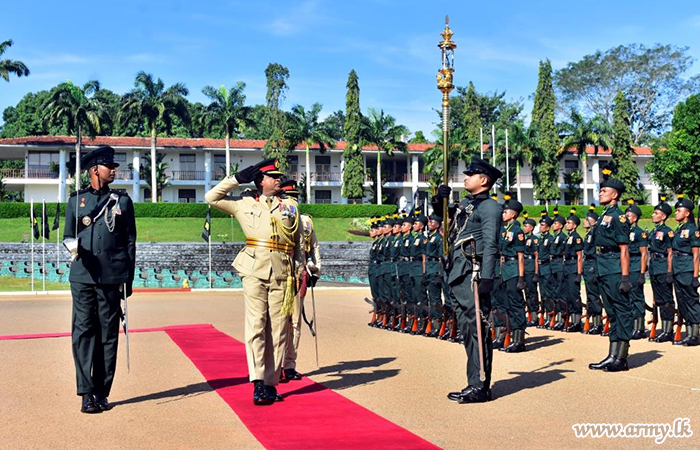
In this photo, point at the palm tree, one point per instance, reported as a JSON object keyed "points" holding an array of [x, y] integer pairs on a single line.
{"points": [[156, 107], [382, 131], [227, 110], [304, 127], [461, 148], [162, 178], [7, 66], [521, 140], [81, 111], [580, 133]]}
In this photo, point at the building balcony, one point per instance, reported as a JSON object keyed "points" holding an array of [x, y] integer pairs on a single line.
{"points": [[326, 176], [124, 175], [185, 175], [29, 173]]}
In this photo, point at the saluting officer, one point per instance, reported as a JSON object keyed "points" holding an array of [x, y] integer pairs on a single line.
{"points": [[686, 245], [105, 265], [531, 269], [544, 260], [312, 263], [573, 272], [661, 269], [473, 240], [612, 246], [594, 305], [511, 247], [267, 264], [638, 268]]}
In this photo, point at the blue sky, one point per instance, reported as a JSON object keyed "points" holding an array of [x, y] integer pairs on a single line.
{"points": [[391, 44]]}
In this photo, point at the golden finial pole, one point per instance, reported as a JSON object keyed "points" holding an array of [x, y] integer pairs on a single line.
{"points": [[444, 84]]}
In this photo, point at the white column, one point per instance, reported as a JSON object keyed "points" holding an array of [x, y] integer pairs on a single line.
{"points": [[61, 175], [207, 170], [414, 175], [343, 200], [596, 179], [654, 194], [136, 164]]}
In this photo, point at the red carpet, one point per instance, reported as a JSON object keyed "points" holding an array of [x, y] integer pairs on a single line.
{"points": [[11, 337], [311, 417]]}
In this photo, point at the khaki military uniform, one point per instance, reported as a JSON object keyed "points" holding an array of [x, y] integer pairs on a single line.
{"points": [[312, 253], [266, 265]]}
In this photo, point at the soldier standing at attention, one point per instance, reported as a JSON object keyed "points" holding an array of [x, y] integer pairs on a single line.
{"points": [[638, 268], [404, 265], [594, 307], [512, 246], [417, 271], [105, 265], [573, 272], [686, 245], [612, 248], [531, 269], [434, 272], [267, 267], [557, 268], [473, 238], [661, 269], [312, 259], [546, 299], [372, 268]]}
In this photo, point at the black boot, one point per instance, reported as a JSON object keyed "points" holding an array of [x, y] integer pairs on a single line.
{"points": [[639, 331], [666, 334], [89, 406], [518, 344], [609, 359], [694, 339], [575, 324], [619, 363]]}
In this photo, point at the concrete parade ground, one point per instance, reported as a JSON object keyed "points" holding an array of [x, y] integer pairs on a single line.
{"points": [[166, 401]]}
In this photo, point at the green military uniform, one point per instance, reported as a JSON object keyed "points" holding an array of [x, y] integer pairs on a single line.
{"points": [[417, 275], [499, 314], [389, 280], [106, 252], [556, 278], [473, 238], [594, 305], [638, 241], [511, 244], [434, 272], [545, 259], [659, 245], [532, 243], [393, 277], [572, 279], [685, 239], [405, 286]]}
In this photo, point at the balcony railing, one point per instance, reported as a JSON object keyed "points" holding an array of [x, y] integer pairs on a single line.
{"points": [[326, 176], [125, 175], [29, 173], [185, 175]]}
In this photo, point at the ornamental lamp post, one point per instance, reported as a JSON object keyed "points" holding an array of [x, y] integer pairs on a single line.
{"points": [[444, 84]]}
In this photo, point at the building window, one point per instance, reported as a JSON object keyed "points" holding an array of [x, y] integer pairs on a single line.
{"points": [[322, 196], [570, 165], [293, 162], [42, 160], [188, 161], [186, 196], [120, 158], [323, 164]]}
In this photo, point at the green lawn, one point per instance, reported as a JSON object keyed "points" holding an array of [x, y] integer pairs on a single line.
{"points": [[187, 229], [25, 284]]}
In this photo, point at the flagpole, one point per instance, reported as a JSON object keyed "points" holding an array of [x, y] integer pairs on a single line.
{"points": [[43, 243], [507, 165], [31, 214], [481, 142], [58, 237], [210, 286]]}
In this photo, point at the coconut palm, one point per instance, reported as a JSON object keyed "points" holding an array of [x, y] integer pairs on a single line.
{"points": [[382, 131], [80, 110], [7, 66], [304, 127], [228, 111], [162, 178], [521, 140], [579, 133], [154, 106]]}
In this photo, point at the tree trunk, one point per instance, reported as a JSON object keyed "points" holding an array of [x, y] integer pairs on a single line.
{"points": [[228, 152], [308, 175], [78, 145], [154, 181], [517, 180], [584, 159], [378, 181]]}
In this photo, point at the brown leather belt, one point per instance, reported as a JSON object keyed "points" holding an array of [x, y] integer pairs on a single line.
{"points": [[270, 245]]}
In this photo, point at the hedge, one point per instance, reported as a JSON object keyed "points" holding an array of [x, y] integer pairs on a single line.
{"points": [[581, 210], [17, 210]]}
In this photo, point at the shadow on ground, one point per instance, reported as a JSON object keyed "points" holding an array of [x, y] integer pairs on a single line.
{"points": [[531, 380], [182, 393], [346, 377], [635, 360]]}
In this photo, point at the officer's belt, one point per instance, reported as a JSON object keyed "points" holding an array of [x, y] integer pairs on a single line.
{"points": [[417, 258], [432, 258], [658, 255], [604, 250], [635, 255], [529, 256], [681, 253], [405, 258], [376, 261], [508, 258], [270, 245], [570, 258], [544, 261]]}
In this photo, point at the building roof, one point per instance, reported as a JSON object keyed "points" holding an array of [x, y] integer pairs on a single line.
{"points": [[168, 142]]}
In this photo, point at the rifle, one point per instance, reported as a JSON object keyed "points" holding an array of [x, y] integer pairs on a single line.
{"points": [[654, 318], [125, 326], [677, 336]]}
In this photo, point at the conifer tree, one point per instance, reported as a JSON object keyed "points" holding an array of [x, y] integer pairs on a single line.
{"points": [[354, 172], [625, 169]]}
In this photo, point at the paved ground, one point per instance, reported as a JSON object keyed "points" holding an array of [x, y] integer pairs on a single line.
{"points": [[164, 402]]}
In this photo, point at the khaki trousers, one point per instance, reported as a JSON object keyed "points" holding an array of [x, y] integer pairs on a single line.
{"points": [[293, 335], [265, 328]]}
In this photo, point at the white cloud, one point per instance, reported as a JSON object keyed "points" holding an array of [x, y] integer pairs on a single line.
{"points": [[303, 17], [55, 59]]}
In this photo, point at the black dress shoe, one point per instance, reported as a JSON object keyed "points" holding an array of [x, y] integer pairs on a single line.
{"points": [[598, 329], [663, 337], [272, 394], [102, 403], [291, 375], [260, 394], [475, 395], [455, 396], [692, 342], [617, 365], [89, 406], [603, 364], [515, 347], [575, 328], [639, 334]]}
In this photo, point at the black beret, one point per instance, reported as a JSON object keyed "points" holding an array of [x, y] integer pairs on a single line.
{"points": [[436, 218], [478, 165], [547, 221], [685, 203], [614, 183], [574, 218], [634, 209], [664, 208], [100, 156], [560, 219]]}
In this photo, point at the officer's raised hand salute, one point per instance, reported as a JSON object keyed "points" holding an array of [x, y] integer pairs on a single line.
{"points": [[101, 229], [473, 238]]}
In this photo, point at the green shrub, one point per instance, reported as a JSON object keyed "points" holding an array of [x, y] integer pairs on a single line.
{"points": [[581, 210]]}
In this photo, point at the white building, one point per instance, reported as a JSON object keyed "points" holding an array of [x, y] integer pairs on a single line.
{"points": [[195, 165]]}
